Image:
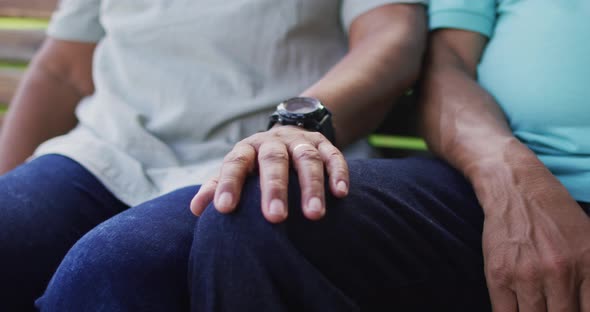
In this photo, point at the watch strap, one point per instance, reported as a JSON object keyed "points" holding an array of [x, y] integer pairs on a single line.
{"points": [[327, 128]]}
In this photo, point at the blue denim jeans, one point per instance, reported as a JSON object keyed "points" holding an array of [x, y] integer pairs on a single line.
{"points": [[47, 205], [407, 238]]}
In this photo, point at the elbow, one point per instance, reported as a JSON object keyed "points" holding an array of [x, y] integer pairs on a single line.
{"points": [[80, 84], [67, 63], [407, 41], [414, 49], [410, 48], [395, 36]]}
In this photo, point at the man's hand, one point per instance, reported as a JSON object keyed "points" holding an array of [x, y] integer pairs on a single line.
{"points": [[536, 237], [386, 48], [273, 152], [536, 245]]}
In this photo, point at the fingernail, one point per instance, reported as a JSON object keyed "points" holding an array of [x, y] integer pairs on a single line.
{"points": [[342, 187], [315, 205], [277, 207], [225, 200]]}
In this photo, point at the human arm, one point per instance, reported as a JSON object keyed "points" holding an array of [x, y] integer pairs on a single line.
{"points": [[536, 251], [386, 47], [43, 107]]}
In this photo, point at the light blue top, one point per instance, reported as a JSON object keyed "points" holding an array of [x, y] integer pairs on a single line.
{"points": [[537, 66]]}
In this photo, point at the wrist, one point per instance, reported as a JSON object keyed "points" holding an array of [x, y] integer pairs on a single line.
{"points": [[528, 187], [306, 113], [507, 154], [514, 171]]}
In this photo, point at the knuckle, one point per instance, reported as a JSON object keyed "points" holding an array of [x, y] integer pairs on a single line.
{"points": [[294, 136], [283, 132], [499, 274], [278, 133], [257, 139], [227, 182], [339, 163], [314, 181], [340, 173], [314, 187], [254, 138], [276, 184], [274, 156], [331, 153], [558, 267], [245, 144], [316, 136], [308, 155], [335, 155], [239, 159], [211, 184], [528, 273]]}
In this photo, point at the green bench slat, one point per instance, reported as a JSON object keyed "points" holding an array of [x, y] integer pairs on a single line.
{"points": [[398, 142], [13, 23]]}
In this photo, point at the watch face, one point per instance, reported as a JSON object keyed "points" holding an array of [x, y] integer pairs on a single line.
{"points": [[306, 112], [300, 106]]}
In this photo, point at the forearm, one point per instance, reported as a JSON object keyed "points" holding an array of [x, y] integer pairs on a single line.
{"points": [[464, 125], [462, 122], [42, 108], [383, 63]]}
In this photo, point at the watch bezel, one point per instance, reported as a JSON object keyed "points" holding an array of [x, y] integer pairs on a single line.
{"points": [[317, 114]]}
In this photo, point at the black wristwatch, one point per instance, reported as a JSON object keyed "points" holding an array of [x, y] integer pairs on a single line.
{"points": [[305, 112]]}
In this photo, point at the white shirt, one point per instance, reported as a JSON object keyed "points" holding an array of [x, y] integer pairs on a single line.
{"points": [[179, 82]]}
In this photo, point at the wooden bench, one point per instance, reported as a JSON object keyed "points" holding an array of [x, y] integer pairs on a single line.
{"points": [[22, 24]]}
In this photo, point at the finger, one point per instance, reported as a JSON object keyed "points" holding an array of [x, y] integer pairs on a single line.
{"points": [[561, 292], [273, 160], [531, 302], [503, 299], [337, 169], [584, 296], [204, 197], [310, 170], [234, 171], [530, 296]]}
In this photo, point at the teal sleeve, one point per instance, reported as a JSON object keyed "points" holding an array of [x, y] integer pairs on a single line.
{"points": [[77, 20], [351, 9], [472, 15]]}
